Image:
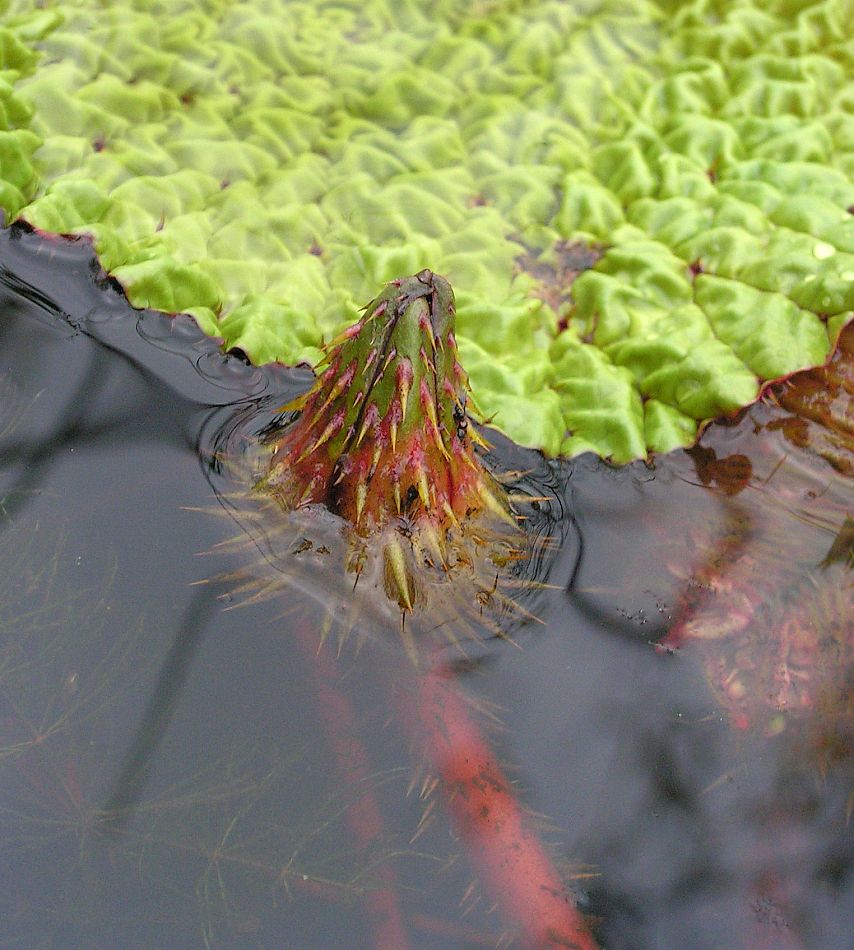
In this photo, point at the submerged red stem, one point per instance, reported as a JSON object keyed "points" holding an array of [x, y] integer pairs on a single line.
{"points": [[515, 867]]}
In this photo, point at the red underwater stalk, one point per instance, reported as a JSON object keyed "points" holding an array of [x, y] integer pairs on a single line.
{"points": [[515, 867]]}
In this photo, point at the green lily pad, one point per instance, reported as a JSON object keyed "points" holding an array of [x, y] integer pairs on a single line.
{"points": [[646, 209]]}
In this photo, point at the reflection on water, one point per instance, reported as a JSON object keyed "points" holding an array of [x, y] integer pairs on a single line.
{"points": [[180, 765]]}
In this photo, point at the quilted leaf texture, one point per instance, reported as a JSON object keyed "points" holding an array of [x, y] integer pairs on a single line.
{"points": [[646, 209]]}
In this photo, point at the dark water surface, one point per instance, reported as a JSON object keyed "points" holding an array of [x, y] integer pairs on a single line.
{"points": [[166, 773]]}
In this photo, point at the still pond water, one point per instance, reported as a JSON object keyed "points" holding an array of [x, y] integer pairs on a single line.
{"points": [[167, 770]]}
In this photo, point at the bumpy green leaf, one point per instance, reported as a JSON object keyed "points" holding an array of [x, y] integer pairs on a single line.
{"points": [[646, 209]]}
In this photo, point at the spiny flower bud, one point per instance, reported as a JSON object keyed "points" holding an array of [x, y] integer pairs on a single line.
{"points": [[384, 440]]}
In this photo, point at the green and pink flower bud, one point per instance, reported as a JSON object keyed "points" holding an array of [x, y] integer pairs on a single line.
{"points": [[384, 440]]}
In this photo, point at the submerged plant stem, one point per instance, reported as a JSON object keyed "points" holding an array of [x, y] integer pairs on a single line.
{"points": [[514, 865]]}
